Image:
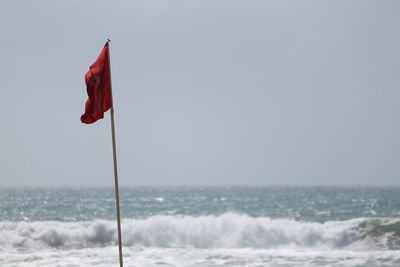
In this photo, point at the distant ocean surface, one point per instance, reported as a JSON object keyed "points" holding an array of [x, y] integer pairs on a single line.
{"points": [[201, 226]]}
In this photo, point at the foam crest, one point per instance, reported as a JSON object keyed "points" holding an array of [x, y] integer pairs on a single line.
{"points": [[236, 231], [228, 230], [56, 234]]}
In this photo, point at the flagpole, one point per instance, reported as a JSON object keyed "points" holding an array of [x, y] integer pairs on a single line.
{"points": [[121, 264]]}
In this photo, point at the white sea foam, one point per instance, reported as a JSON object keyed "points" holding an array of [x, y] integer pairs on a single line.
{"points": [[228, 230], [191, 257]]}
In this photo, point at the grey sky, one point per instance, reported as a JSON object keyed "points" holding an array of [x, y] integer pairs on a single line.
{"points": [[206, 92]]}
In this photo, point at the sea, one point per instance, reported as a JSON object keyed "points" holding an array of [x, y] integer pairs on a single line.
{"points": [[201, 226]]}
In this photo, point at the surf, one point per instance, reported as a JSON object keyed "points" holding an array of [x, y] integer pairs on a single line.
{"points": [[228, 230]]}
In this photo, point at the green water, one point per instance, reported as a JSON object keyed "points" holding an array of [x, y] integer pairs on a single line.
{"points": [[313, 204]]}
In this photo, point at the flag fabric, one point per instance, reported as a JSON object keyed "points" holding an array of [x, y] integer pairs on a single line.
{"points": [[98, 85]]}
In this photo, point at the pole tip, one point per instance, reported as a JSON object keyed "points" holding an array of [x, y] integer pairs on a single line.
{"points": [[108, 40]]}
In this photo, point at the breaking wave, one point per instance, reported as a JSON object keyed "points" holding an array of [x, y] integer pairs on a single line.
{"points": [[228, 230]]}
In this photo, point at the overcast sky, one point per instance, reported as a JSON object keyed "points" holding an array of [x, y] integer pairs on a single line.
{"points": [[206, 92]]}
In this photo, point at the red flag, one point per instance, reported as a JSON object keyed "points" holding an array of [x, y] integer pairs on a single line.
{"points": [[98, 86]]}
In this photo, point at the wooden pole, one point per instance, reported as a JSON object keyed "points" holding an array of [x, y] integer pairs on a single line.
{"points": [[121, 264]]}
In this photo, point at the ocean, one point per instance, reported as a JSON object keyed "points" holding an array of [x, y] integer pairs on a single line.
{"points": [[201, 226]]}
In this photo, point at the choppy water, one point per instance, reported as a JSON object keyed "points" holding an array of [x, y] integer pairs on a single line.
{"points": [[203, 226]]}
